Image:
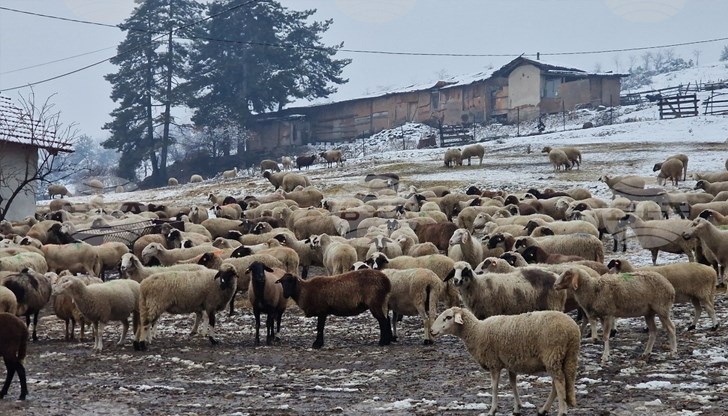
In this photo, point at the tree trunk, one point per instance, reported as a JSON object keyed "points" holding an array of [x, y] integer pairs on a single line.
{"points": [[167, 108], [149, 109]]}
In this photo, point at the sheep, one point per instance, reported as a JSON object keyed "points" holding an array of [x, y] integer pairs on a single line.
{"points": [[39, 230], [671, 169], [695, 209], [8, 302], [711, 187], [439, 234], [270, 165], [624, 295], [538, 227], [305, 161], [23, 260], [558, 159], [331, 157], [172, 181], [65, 308], [184, 292], [307, 197], [17, 228], [694, 283], [287, 163], [103, 302], [287, 256], [441, 265], [219, 227], [293, 180], [484, 295], [385, 245], [195, 178], [649, 210], [606, 220], [683, 166], [623, 184], [665, 235], [345, 294], [523, 343], [453, 158], [241, 265], [464, 247], [713, 240], [109, 255], [714, 217], [168, 257], [175, 238], [230, 211], [61, 190], [131, 268], [572, 153], [306, 226], [711, 176], [337, 256], [386, 176], [586, 246], [32, 291], [474, 150], [267, 297], [77, 257], [13, 348], [414, 292], [230, 174]]}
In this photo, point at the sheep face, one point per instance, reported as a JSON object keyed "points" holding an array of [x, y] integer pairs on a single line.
{"points": [[461, 274], [614, 266], [377, 261], [495, 240], [510, 258], [529, 254], [460, 236], [289, 283], [127, 263], [359, 265], [707, 214], [150, 251], [227, 276], [447, 323], [485, 265]]}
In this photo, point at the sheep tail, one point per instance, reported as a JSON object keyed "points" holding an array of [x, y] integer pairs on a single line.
{"points": [[571, 363]]}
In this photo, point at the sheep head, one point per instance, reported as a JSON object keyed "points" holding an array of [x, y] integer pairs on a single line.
{"points": [[568, 280], [461, 274], [150, 251], [614, 266], [359, 265], [290, 285], [529, 254], [460, 236], [448, 322], [510, 258], [227, 276], [128, 263], [377, 261]]}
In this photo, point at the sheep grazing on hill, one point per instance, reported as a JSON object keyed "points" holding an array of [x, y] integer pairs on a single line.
{"points": [[671, 169], [346, 294], [333, 156], [573, 154], [305, 161], [453, 157], [13, 348], [474, 150], [54, 190], [195, 178], [270, 165], [522, 343], [229, 174], [559, 159], [172, 182]]}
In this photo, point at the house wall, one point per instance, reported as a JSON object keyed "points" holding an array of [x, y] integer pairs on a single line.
{"points": [[13, 161], [524, 86]]}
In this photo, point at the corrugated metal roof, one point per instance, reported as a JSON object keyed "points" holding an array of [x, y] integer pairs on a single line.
{"points": [[16, 126]]}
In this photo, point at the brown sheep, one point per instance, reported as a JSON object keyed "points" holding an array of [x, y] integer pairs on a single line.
{"points": [[331, 157], [438, 234], [270, 165], [345, 294], [13, 347]]}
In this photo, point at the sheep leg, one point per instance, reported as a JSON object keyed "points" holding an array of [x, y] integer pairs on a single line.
{"points": [[35, 326], [196, 325], [494, 379], [67, 337], [545, 408], [304, 272], [270, 327], [20, 369], [696, 314], [232, 304], [394, 326], [670, 328], [320, 324], [124, 330], [10, 367], [516, 399], [606, 328], [654, 252], [652, 328], [710, 308], [385, 324], [211, 333], [99, 341], [256, 313]]}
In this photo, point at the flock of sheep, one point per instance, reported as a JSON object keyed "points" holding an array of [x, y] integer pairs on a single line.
{"points": [[506, 265]]}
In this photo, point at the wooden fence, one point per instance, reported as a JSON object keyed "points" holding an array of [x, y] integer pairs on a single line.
{"points": [[717, 104], [455, 135], [678, 106]]}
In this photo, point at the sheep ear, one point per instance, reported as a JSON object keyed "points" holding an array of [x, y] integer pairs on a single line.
{"points": [[268, 269], [465, 237], [450, 275], [574, 280], [458, 318]]}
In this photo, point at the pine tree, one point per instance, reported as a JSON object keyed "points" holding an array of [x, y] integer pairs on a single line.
{"points": [[151, 61], [257, 59]]}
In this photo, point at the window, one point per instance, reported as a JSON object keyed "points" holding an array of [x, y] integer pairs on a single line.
{"points": [[435, 100], [551, 88]]}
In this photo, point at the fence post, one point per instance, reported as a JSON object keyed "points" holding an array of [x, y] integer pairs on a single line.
{"points": [[563, 114], [518, 122]]}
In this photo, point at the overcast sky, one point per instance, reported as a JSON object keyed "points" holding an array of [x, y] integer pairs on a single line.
{"points": [[424, 26]]}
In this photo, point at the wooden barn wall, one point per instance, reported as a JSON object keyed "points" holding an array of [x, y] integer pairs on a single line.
{"points": [[575, 93]]}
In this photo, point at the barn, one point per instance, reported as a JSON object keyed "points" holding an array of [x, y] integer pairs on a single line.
{"points": [[26, 145], [521, 90]]}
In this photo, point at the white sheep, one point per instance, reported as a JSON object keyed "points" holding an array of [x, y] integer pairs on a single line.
{"points": [[522, 343], [624, 295], [132, 268], [465, 247], [338, 257], [229, 174], [66, 309], [414, 292], [8, 302], [713, 240], [100, 303], [665, 235], [184, 292], [523, 290]]}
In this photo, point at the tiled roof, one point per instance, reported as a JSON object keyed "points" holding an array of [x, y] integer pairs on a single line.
{"points": [[16, 126]]}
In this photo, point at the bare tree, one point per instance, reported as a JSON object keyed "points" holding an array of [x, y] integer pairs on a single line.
{"points": [[632, 62], [32, 141], [646, 59], [617, 60]]}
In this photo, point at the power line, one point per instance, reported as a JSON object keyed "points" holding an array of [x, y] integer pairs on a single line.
{"points": [[55, 61], [135, 47], [57, 17]]}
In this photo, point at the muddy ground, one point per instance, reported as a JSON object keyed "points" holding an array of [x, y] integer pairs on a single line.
{"points": [[352, 375]]}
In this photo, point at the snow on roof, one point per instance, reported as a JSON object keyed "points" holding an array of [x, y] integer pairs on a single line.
{"points": [[16, 126]]}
